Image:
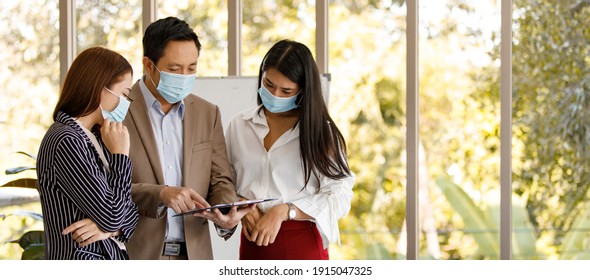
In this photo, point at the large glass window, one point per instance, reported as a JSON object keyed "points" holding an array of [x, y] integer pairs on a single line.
{"points": [[551, 128], [208, 18], [367, 100], [459, 113], [266, 22], [29, 86], [459, 129], [112, 24]]}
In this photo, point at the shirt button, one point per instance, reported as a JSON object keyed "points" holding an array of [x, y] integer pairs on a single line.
{"points": [[167, 142], [169, 166]]}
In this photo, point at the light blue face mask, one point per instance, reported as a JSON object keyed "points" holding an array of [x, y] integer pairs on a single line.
{"points": [[276, 104], [118, 114], [174, 87]]}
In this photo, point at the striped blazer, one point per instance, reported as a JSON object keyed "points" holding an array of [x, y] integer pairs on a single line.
{"points": [[74, 185]]}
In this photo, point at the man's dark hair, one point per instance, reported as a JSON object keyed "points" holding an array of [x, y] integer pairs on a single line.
{"points": [[160, 32]]}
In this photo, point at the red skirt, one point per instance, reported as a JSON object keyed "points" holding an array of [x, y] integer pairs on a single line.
{"points": [[296, 240]]}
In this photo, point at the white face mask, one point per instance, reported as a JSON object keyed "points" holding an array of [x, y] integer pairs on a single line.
{"points": [[276, 104], [118, 114]]}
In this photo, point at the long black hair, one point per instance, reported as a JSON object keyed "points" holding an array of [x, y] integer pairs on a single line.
{"points": [[323, 148]]}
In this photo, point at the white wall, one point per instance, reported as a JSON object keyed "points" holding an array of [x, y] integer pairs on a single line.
{"points": [[232, 94]]}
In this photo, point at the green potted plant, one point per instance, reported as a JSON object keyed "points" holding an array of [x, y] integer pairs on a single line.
{"points": [[32, 242]]}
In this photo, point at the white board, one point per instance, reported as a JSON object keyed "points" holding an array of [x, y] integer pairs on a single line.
{"points": [[237, 94], [234, 95]]}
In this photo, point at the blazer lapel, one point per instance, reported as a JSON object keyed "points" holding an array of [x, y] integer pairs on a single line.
{"points": [[142, 123], [189, 127]]}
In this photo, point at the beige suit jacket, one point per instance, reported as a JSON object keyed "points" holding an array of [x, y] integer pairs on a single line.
{"points": [[205, 169]]}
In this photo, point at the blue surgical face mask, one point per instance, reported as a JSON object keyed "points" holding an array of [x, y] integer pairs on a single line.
{"points": [[174, 87], [118, 114], [276, 104]]}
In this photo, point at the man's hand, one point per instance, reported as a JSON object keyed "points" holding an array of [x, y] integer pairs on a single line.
{"points": [[182, 199], [86, 232], [229, 220]]}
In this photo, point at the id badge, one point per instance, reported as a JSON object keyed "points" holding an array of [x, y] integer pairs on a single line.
{"points": [[171, 249]]}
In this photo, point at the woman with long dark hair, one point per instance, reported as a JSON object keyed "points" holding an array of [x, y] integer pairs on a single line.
{"points": [[290, 149]]}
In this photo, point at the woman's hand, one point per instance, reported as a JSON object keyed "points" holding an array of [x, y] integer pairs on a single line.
{"points": [[115, 136], [249, 222], [86, 232], [267, 227]]}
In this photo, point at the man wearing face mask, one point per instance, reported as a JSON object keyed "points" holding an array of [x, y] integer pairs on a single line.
{"points": [[178, 151]]}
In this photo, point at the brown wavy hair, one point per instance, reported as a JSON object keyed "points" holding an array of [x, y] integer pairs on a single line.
{"points": [[94, 69]]}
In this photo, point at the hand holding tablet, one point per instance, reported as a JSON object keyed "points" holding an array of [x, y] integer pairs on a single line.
{"points": [[225, 207]]}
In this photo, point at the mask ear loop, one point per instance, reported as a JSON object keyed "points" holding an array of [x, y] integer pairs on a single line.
{"points": [[111, 92], [157, 69], [299, 99], [100, 105], [150, 75]]}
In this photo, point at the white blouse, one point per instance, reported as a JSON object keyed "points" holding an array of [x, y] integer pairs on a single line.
{"points": [[278, 173]]}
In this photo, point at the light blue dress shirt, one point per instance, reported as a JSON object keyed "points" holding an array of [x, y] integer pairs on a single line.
{"points": [[168, 131]]}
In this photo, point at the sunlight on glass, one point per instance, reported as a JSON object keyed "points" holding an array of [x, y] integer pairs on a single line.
{"points": [[266, 22], [367, 64], [459, 130], [29, 86], [112, 24], [208, 19], [551, 84]]}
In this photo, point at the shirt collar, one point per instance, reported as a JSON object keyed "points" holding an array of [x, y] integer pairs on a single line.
{"points": [[64, 118], [153, 104], [69, 121], [256, 115]]}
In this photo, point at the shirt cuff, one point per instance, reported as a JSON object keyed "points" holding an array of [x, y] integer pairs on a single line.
{"points": [[161, 211], [225, 233]]}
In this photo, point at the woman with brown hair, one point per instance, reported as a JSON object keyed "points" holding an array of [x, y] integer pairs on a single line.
{"points": [[83, 165]]}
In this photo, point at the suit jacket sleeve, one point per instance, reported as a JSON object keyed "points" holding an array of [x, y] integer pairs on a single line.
{"points": [[147, 198]]}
